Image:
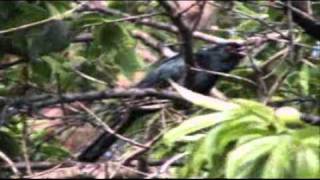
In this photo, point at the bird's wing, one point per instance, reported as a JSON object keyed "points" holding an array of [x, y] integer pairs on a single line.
{"points": [[172, 68]]}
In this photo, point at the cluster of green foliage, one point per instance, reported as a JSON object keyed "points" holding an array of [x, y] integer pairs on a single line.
{"points": [[246, 139]]}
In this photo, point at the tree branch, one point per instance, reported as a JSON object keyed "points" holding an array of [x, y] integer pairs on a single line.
{"points": [[300, 16], [158, 25], [186, 37], [153, 43], [10, 64], [16, 105]]}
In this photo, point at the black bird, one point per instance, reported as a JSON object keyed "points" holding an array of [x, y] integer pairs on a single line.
{"points": [[220, 58]]}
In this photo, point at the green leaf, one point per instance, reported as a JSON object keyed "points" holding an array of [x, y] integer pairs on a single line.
{"points": [[275, 15], [244, 9], [304, 77], [23, 13], [113, 37], [54, 151], [9, 144], [41, 71], [309, 136], [88, 19], [279, 163], [197, 123], [224, 134], [57, 7], [259, 109], [196, 160], [242, 162], [202, 100], [307, 163], [128, 62], [109, 36], [220, 136], [249, 26]]}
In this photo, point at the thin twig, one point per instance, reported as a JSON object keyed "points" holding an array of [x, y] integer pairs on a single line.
{"points": [[225, 75], [136, 154], [10, 64], [56, 17], [276, 85], [90, 78], [25, 143], [160, 25], [165, 166], [11, 164], [139, 152], [131, 18], [201, 5], [153, 43], [110, 130], [290, 29]]}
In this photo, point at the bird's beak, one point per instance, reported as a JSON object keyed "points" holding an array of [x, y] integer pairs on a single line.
{"points": [[241, 51], [237, 49]]}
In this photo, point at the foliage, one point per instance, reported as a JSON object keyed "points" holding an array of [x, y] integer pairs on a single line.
{"points": [[248, 141]]}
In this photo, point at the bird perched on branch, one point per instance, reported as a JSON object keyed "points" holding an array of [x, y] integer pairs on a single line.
{"points": [[219, 58]]}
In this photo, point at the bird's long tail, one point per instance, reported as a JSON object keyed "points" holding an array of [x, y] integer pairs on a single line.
{"points": [[103, 142], [125, 117]]}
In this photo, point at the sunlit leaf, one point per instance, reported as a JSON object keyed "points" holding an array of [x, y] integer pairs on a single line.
{"points": [[197, 123], [257, 108], [204, 101]]}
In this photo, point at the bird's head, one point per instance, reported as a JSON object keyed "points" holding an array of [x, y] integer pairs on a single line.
{"points": [[222, 57]]}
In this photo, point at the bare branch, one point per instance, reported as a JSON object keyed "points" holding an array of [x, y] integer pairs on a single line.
{"points": [[10, 64], [186, 37], [11, 164], [153, 43]]}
